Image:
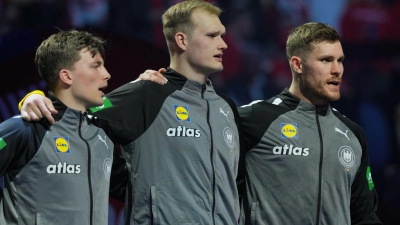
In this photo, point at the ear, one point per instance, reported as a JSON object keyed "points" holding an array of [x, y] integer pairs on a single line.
{"points": [[181, 40], [65, 76], [296, 64]]}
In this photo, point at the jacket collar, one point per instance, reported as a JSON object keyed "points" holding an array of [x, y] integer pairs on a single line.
{"points": [[294, 102], [186, 85], [65, 114]]}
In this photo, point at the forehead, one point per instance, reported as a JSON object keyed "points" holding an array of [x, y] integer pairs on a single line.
{"points": [[326, 48], [206, 21], [86, 56]]}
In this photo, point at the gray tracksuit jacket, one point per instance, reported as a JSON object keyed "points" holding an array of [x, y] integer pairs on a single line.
{"points": [[181, 146], [55, 174], [306, 165]]}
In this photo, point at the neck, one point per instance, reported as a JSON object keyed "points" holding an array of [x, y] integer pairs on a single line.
{"points": [[296, 91], [188, 71], [69, 100]]}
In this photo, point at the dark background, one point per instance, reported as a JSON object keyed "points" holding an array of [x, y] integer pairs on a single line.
{"points": [[255, 63]]}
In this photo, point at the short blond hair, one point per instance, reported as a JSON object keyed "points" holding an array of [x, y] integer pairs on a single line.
{"points": [[301, 38], [178, 18]]}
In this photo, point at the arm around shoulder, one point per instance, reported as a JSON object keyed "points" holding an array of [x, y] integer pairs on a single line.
{"points": [[35, 106]]}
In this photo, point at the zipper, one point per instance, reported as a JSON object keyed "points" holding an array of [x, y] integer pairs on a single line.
{"points": [[89, 167], [320, 165], [211, 153]]}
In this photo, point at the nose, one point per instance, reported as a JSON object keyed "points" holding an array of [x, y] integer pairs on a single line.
{"points": [[107, 75], [337, 68], [223, 45]]}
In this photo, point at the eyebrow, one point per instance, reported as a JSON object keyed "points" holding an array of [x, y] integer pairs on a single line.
{"points": [[217, 32], [97, 63], [331, 57]]}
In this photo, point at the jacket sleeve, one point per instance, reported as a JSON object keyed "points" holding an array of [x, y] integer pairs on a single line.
{"points": [[364, 198], [119, 176], [17, 144], [242, 166], [122, 108], [1, 192]]}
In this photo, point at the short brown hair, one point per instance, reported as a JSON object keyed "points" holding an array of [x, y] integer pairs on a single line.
{"points": [[300, 38], [178, 18], [61, 51]]}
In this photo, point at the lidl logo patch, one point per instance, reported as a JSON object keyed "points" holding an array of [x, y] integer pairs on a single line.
{"points": [[369, 179], [106, 104], [289, 130], [182, 112], [2, 143], [62, 144]]}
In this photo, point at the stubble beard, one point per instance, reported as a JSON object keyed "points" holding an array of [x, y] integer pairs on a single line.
{"points": [[316, 91]]}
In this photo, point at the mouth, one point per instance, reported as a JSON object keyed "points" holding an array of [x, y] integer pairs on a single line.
{"points": [[218, 56], [334, 83], [101, 89]]}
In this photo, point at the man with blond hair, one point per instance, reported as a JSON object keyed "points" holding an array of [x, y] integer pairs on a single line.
{"points": [[181, 145]]}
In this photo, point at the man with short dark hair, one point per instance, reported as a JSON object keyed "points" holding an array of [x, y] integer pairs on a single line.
{"points": [[60, 173]]}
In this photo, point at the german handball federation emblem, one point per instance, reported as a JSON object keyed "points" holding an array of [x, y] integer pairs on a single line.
{"points": [[182, 112], [346, 156], [289, 130], [62, 144], [107, 168], [229, 138]]}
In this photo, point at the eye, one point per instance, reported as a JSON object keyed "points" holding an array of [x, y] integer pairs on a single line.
{"points": [[326, 60], [96, 65]]}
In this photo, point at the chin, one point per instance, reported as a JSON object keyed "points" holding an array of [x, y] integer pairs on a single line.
{"points": [[332, 98]]}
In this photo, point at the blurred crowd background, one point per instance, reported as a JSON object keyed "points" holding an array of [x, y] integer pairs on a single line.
{"points": [[255, 65]]}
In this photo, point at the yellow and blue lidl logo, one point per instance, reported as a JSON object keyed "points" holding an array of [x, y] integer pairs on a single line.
{"points": [[182, 112], [289, 130], [62, 144]]}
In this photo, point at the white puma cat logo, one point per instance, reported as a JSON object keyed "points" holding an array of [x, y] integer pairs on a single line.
{"points": [[339, 131], [225, 114], [103, 140]]}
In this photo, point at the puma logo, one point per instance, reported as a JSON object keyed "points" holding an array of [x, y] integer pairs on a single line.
{"points": [[225, 114], [103, 140], [339, 131]]}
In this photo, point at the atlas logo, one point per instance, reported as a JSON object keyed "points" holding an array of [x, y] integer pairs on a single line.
{"points": [[182, 112], [182, 131], [290, 150], [62, 144], [346, 156], [289, 130], [61, 168]]}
